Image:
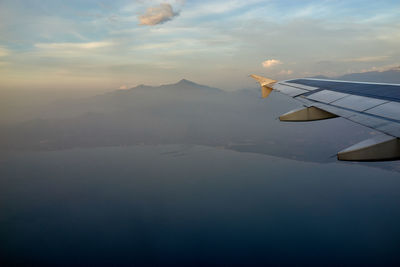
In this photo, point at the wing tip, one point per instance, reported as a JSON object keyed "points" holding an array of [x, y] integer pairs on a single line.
{"points": [[262, 80], [265, 83]]}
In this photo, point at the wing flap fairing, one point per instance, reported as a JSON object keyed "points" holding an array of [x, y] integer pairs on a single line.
{"points": [[307, 114], [378, 148]]}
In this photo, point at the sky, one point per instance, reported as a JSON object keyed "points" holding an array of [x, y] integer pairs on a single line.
{"points": [[99, 44]]}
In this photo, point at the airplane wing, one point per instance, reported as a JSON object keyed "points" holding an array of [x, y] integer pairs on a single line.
{"points": [[374, 105]]}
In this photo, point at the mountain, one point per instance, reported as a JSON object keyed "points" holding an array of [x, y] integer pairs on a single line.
{"points": [[180, 113], [388, 76], [185, 86], [136, 98], [321, 77], [143, 114]]}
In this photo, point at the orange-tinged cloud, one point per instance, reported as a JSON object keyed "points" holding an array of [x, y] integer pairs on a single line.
{"points": [[157, 15], [270, 63]]}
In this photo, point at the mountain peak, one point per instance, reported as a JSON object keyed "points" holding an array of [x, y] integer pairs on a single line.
{"points": [[186, 82]]}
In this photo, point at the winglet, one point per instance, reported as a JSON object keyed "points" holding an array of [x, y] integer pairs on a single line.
{"points": [[266, 84]]}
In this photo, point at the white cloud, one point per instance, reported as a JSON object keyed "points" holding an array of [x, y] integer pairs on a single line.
{"points": [[157, 15], [270, 63]]}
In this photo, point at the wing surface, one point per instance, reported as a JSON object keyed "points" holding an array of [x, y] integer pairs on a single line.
{"points": [[374, 105]]}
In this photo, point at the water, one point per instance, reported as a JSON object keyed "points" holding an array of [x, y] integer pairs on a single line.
{"points": [[175, 204]]}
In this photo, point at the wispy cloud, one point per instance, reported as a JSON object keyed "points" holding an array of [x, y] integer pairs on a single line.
{"points": [[206, 8], [158, 15], [70, 51], [285, 72], [367, 59], [395, 67], [270, 63], [4, 52], [73, 46]]}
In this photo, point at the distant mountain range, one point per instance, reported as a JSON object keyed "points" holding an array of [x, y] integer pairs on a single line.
{"points": [[389, 76], [180, 113]]}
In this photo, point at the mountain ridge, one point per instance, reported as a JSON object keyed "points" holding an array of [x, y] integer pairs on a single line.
{"points": [[181, 84], [387, 76]]}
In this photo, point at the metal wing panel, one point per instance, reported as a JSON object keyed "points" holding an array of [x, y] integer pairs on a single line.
{"points": [[326, 96], [301, 86], [392, 129], [390, 92], [306, 102], [291, 91], [379, 124], [368, 120], [337, 111], [388, 110], [358, 103]]}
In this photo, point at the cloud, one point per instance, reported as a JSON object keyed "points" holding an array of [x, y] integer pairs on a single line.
{"points": [[3, 52], [206, 8], [285, 72], [367, 59], [62, 46], [123, 87], [395, 67], [70, 50], [270, 63], [158, 15]]}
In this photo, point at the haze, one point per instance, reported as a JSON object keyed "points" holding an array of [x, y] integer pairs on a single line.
{"points": [[131, 134]]}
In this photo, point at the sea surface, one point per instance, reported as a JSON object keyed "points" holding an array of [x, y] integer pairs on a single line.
{"points": [[181, 204]]}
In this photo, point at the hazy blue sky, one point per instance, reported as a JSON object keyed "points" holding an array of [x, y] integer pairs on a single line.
{"points": [[120, 43]]}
